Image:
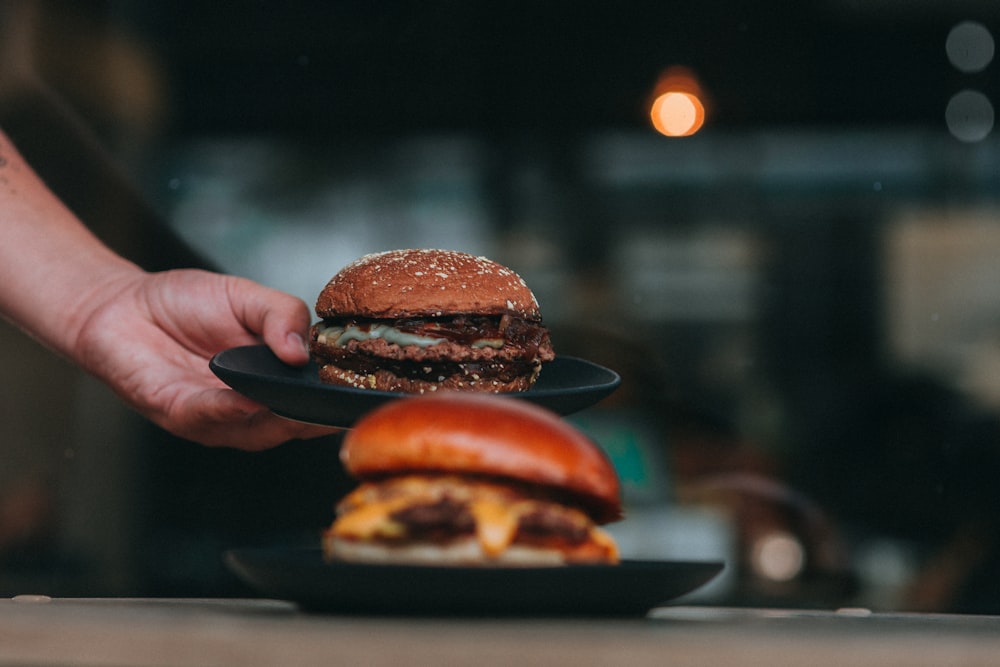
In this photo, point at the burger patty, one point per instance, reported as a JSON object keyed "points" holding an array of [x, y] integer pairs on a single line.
{"points": [[436, 521], [358, 360], [439, 509], [484, 353], [456, 339], [447, 518], [466, 329]]}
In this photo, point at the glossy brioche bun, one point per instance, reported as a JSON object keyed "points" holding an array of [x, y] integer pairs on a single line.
{"points": [[425, 282], [454, 432]]}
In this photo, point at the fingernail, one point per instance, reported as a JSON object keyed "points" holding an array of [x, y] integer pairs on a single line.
{"points": [[296, 339]]}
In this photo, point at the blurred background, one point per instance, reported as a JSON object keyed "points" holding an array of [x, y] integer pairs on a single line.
{"points": [[778, 221]]}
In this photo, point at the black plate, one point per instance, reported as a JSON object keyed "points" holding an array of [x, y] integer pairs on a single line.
{"points": [[566, 385], [630, 588]]}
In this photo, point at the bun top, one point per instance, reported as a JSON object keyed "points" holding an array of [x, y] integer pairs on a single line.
{"points": [[490, 435], [425, 282]]}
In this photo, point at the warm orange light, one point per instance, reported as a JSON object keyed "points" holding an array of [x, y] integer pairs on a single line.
{"points": [[677, 114], [677, 108]]}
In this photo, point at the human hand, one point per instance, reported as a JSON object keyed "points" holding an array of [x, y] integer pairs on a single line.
{"points": [[150, 336]]}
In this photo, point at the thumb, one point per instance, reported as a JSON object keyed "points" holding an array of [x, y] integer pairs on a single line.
{"points": [[281, 320]]}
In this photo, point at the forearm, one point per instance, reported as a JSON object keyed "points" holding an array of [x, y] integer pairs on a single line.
{"points": [[147, 335], [52, 268]]}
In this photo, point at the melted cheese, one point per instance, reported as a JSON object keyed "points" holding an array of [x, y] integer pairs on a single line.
{"points": [[496, 526], [340, 336], [371, 520], [604, 539], [496, 523], [366, 513]]}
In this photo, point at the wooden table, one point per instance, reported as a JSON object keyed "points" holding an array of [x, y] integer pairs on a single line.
{"points": [[139, 632]]}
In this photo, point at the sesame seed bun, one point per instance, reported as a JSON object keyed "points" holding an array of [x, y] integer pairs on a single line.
{"points": [[425, 282], [424, 320]]}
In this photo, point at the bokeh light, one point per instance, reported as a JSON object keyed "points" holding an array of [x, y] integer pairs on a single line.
{"points": [[778, 556], [677, 108], [969, 116], [969, 47], [677, 114]]}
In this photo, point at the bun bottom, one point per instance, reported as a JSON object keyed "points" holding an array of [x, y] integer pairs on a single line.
{"points": [[464, 552], [386, 381]]}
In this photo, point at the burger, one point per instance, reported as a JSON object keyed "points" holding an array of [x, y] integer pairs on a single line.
{"points": [[473, 480], [421, 320]]}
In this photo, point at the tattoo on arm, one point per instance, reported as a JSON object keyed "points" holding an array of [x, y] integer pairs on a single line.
{"points": [[3, 168]]}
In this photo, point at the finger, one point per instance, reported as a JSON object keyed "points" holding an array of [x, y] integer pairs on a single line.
{"points": [[224, 418], [267, 430], [282, 320]]}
